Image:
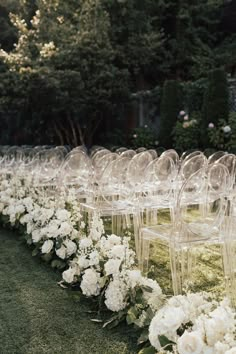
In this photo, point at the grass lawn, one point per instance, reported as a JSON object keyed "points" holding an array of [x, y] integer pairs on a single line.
{"points": [[37, 316]]}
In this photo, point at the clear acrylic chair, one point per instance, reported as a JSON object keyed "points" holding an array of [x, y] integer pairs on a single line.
{"points": [[98, 154], [114, 198], [77, 172], [191, 165], [128, 153], [197, 222], [189, 154], [101, 163], [120, 150], [136, 170], [215, 156], [153, 153], [229, 161], [158, 188], [173, 155]]}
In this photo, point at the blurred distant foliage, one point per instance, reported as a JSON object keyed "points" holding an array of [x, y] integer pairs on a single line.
{"points": [[75, 63]]}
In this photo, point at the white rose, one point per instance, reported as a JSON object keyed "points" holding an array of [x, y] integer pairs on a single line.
{"points": [[52, 229], [47, 246], [112, 266], [61, 252], [226, 129], [190, 343], [71, 247], [231, 351], [65, 228], [36, 235], [68, 275], [166, 321], [220, 348], [209, 350], [173, 318]]}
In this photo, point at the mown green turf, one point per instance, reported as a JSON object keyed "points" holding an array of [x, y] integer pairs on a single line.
{"points": [[37, 316]]}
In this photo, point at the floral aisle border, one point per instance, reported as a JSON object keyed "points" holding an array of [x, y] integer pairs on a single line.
{"points": [[104, 267]]}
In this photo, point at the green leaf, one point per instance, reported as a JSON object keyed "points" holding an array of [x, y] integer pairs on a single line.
{"points": [[166, 343], [35, 252], [143, 337], [115, 320], [132, 315], [148, 350], [103, 281], [148, 289]]}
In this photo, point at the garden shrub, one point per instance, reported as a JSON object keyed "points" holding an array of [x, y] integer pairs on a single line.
{"points": [[232, 125], [223, 135], [186, 133], [143, 137], [170, 107], [193, 94], [216, 101]]}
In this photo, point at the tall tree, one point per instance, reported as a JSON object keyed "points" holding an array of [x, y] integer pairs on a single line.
{"points": [[71, 63]]}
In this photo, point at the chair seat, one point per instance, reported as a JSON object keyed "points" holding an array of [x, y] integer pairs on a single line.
{"points": [[167, 233]]}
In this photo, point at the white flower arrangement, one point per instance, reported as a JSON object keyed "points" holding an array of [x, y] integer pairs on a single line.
{"points": [[104, 266], [194, 324]]}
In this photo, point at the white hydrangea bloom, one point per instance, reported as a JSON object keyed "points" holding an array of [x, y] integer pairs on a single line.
{"points": [[112, 266], [94, 258], [90, 284], [63, 214], [118, 251], [83, 262], [85, 243], [134, 277], [116, 295]]}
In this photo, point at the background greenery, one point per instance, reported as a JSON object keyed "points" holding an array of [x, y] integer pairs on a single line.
{"points": [[104, 52]]}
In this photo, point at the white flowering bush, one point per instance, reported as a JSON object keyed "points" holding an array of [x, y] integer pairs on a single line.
{"points": [[220, 135], [186, 132]]}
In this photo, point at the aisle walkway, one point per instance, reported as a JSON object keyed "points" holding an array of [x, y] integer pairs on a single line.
{"points": [[37, 316]]}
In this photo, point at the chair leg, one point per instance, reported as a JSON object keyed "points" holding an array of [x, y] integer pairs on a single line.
{"points": [[144, 256], [137, 235]]}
